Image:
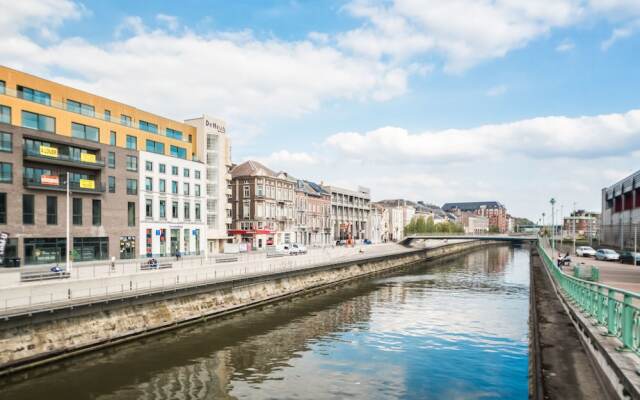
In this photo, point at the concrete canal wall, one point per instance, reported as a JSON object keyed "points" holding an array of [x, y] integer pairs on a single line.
{"points": [[37, 339]]}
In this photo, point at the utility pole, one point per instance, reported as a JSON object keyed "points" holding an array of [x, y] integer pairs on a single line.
{"points": [[635, 244], [553, 227], [574, 228], [68, 244]]}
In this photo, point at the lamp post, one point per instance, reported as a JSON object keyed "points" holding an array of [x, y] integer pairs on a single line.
{"points": [[68, 244], [553, 227]]}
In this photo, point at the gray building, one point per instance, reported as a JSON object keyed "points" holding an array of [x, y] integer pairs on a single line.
{"points": [[620, 217], [103, 183], [349, 212]]}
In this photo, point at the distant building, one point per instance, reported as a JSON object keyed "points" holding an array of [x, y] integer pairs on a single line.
{"points": [[349, 212], [400, 212], [620, 212], [584, 223], [313, 214], [262, 206], [495, 211], [378, 224], [473, 223]]}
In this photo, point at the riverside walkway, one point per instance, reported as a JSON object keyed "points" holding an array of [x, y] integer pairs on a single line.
{"points": [[93, 283]]}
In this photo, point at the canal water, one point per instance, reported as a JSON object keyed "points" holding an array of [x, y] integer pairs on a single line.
{"points": [[456, 329]]}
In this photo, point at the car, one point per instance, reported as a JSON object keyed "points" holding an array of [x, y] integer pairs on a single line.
{"points": [[607, 255], [627, 257], [298, 249], [284, 249], [585, 251]]}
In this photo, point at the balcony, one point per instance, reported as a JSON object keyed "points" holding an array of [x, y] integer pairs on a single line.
{"points": [[64, 160], [74, 187]]}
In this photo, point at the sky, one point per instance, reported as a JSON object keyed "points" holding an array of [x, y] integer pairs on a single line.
{"points": [[463, 100]]}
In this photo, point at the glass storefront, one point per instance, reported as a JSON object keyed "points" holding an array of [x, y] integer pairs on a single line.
{"points": [[185, 237], [196, 237], [44, 250], [163, 242], [175, 241], [90, 248], [127, 247], [149, 242]]}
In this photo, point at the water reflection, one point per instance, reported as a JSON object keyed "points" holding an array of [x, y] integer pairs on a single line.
{"points": [[456, 329]]}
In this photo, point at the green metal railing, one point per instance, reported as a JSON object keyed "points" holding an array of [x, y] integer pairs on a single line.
{"points": [[616, 310]]}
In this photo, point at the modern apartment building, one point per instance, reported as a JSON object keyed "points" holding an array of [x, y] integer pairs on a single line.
{"points": [[620, 217], [313, 214], [349, 212], [214, 149], [495, 211], [262, 206], [49, 130], [173, 206]]}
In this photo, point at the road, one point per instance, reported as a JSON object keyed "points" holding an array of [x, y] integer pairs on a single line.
{"points": [[622, 276], [100, 281]]}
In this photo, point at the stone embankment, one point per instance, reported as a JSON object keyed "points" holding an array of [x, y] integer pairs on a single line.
{"points": [[36, 340]]}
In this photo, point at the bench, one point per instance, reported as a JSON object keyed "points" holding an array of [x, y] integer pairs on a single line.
{"points": [[226, 259], [146, 267], [274, 255], [42, 276]]}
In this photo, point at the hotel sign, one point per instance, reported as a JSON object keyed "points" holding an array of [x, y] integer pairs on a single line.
{"points": [[49, 151], [49, 180], [88, 158], [87, 184], [219, 127]]}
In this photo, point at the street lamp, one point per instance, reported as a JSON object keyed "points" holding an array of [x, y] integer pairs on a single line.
{"points": [[553, 227]]}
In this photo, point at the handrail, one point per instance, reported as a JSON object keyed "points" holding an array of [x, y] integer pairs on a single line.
{"points": [[615, 310]]}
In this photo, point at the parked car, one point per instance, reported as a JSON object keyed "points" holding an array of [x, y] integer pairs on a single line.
{"points": [[585, 251], [283, 249], [607, 255], [298, 249], [627, 257]]}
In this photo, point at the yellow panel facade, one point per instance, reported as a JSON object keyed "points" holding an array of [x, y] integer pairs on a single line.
{"points": [[57, 109]]}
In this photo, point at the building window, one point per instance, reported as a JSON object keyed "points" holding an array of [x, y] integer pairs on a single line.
{"points": [[197, 190], [162, 185], [245, 192], [28, 206], [174, 210], [125, 120], [132, 186], [3, 87], [112, 184], [5, 114], [97, 212], [107, 115], [197, 174], [148, 126], [132, 163], [6, 172], [148, 184], [155, 147], [113, 136], [77, 211], [148, 166], [174, 134], [34, 95], [162, 168], [6, 142], [186, 172], [174, 187], [52, 210], [246, 208], [174, 170], [163, 209], [80, 108], [3, 208], [187, 211], [44, 250], [131, 213], [148, 208], [132, 142], [86, 132], [185, 188], [38, 121], [179, 152], [91, 248], [197, 210], [111, 159]]}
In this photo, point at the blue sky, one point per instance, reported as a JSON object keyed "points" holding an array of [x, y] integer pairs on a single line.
{"points": [[457, 101]]}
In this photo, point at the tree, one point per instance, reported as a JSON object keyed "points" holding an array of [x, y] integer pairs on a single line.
{"points": [[494, 229], [430, 225]]}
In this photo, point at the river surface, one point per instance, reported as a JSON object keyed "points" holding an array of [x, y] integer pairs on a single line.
{"points": [[455, 329]]}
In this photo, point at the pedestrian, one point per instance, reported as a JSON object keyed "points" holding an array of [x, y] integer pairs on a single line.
{"points": [[113, 263]]}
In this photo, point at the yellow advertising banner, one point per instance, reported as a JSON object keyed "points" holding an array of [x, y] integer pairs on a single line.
{"points": [[87, 184], [89, 158], [49, 151]]}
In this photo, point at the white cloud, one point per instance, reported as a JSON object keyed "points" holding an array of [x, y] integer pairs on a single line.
{"points": [[565, 46], [169, 20], [232, 74], [497, 91], [285, 157], [621, 33], [466, 32], [545, 137]]}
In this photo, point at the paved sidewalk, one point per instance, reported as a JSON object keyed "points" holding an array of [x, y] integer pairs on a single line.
{"points": [[622, 276]]}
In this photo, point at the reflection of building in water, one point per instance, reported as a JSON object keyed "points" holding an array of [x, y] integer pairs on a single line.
{"points": [[491, 260]]}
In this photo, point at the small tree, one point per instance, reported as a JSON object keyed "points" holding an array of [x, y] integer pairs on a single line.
{"points": [[494, 229], [430, 226], [420, 225]]}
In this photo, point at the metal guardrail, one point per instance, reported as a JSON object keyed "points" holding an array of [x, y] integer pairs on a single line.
{"points": [[615, 310]]}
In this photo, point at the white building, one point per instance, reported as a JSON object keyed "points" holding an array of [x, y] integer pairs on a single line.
{"points": [[349, 212], [214, 149], [378, 224], [173, 204]]}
